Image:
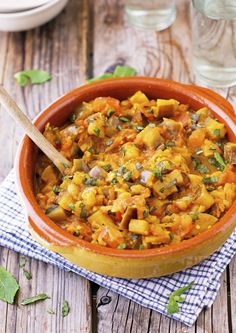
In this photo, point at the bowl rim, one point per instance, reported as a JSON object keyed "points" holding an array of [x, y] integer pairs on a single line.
{"points": [[32, 11], [50, 231]]}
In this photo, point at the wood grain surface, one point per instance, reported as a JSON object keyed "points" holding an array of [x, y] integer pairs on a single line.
{"points": [[84, 40]]}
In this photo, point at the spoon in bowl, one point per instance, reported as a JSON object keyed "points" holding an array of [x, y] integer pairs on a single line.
{"points": [[32, 131]]}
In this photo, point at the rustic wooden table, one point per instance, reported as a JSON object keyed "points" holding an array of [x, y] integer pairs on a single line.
{"points": [[82, 42]]}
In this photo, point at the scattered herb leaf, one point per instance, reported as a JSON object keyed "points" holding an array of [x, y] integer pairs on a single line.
{"points": [[90, 181], [195, 216], [120, 71], [65, 309], [172, 306], [107, 167], [22, 261], [171, 235], [27, 274], [83, 212], [138, 166], [34, 76], [56, 189], [158, 174], [139, 128], [127, 176], [114, 181], [145, 213], [8, 286], [76, 233], [34, 299], [50, 311]]}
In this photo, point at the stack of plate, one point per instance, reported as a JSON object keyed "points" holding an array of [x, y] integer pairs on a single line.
{"points": [[18, 15]]}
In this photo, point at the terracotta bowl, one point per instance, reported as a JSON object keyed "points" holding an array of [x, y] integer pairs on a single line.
{"points": [[115, 262]]}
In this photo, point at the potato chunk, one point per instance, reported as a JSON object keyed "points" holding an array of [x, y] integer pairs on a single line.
{"points": [[139, 98], [167, 107], [150, 137], [140, 227]]}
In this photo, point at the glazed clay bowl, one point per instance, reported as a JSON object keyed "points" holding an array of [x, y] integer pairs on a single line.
{"points": [[114, 262]]}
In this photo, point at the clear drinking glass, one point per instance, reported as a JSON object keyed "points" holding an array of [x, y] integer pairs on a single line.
{"points": [[151, 14], [214, 42]]}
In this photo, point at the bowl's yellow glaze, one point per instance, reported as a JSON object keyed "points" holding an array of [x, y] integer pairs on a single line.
{"points": [[114, 262]]}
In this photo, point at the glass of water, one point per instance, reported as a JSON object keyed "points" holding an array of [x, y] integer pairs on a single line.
{"points": [[151, 14], [214, 42]]}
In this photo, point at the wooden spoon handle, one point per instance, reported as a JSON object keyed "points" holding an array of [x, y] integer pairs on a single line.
{"points": [[36, 136]]}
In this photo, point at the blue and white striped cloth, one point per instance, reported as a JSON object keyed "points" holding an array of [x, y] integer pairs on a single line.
{"points": [[152, 293]]}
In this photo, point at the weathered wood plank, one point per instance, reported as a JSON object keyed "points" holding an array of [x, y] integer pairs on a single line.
{"points": [[56, 47]]}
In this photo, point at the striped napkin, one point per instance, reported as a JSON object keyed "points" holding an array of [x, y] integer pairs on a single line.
{"points": [[151, 293]]}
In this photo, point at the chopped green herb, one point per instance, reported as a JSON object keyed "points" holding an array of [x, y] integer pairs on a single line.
{"points": [[73, 117], [220, 160], [56, 189], [172, 306], [110, 112], [50, 311], [122, 169], [91, 150], [76, 233], [124, 119], [158, 174], [71, 206], [8, 286], [195, 216], [97, 131], [22, 261], [90, 181], [169, 185], [114, 181], [65, 309], [210, 180], [33, 299], [170, 144], [34, 76], [83, 212], [139, 128], [217, 132], [146, 213], [203, 168], [107, 167], [127, 176], [171, 235], [141, 247], [121, 246], [138, 166], [66, 166], [199, 166], [50, 209], [27, 274], [67, 177], [119, 128]]}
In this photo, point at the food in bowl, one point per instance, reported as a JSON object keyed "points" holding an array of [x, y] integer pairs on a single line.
{"points": [[146, 173]]}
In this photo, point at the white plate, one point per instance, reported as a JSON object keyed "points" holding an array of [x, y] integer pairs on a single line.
{"points": [[30, 19], [19, 5]]}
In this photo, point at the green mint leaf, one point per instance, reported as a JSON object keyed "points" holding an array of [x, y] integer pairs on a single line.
{"points": [[217, 132], [122, 71], [220, 160], [124, 119], [34, 299], [65, 309], [27, 274], [101, 77], [172, 306], [8, 286], [34, 76], [50, 311]]}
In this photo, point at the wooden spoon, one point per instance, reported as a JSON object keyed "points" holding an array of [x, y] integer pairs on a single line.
{"points": [[36, 136]]}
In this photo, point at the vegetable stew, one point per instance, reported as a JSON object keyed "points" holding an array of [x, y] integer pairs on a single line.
{"points": [[146, 173]]}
